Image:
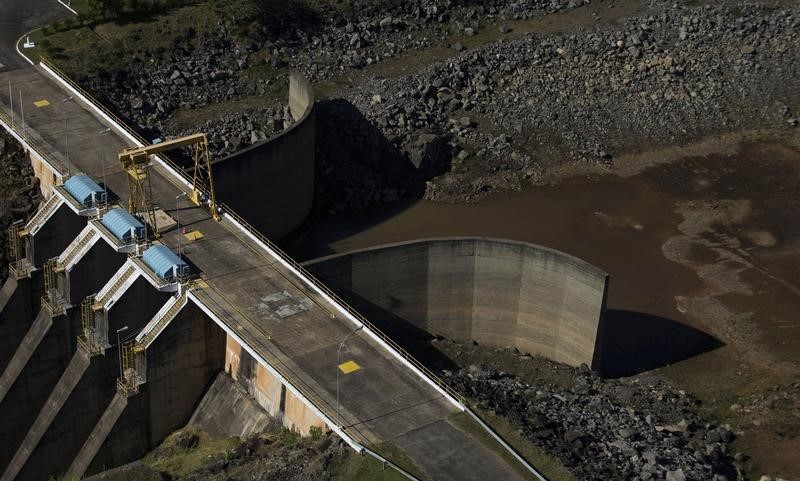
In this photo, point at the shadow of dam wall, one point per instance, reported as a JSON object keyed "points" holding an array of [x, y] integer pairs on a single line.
{"points": [[496, 292], [271, 183]]}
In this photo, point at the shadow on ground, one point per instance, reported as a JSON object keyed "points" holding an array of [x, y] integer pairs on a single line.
{"points": [[357, 167], [407, 335], [633, 342]]}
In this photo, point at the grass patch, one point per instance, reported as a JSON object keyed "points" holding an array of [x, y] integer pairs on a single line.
{"points": [[80, 6], [550, 467], [366, 468], [178, 461]]}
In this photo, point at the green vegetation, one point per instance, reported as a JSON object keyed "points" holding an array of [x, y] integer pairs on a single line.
{"points": [[353, 467], [549, 466], [188, 450]]}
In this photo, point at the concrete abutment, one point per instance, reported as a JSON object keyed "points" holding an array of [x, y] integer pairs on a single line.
{"points": [[501, 293]]}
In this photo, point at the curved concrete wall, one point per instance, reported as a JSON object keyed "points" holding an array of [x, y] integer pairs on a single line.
{"points": [[271, 183], [496, 292]]}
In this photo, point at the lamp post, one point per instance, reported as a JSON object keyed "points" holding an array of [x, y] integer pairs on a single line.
{"points": [[178, 220], [11, 102], [338, 361], [66, 139], [103, 161], [119, 350]]}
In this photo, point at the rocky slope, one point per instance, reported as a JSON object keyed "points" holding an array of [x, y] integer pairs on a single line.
{"points": [[19, 192], [489, 118], [637, 428]]}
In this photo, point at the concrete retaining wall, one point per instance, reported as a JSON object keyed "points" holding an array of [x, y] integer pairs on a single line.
{"points": [[268, 391], [497, 292], [271, 184]]}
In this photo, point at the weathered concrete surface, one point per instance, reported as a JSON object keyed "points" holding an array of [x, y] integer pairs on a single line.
{"points": [[268, 391], [84, 406], [56, 400], [249, 293], [228, 410], [463, 463], [29, 343], [76, 419], [34, 383], [271, 184], [182, 363], [497, 292], [19, 311], [91, 273], [54, 236], [39, 375]]}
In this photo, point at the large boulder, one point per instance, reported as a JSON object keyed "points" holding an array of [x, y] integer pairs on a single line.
{"points": [[428, 152]]}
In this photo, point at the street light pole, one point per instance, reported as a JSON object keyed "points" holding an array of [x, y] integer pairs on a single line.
{"points": [[178, 220], [11, 102], [119, 350], [66, 138], [338, 362]]}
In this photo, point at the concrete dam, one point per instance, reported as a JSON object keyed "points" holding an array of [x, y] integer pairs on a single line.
{"points": [[111, 338]]}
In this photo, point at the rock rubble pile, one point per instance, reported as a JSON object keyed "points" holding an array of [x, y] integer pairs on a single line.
{"points": [[19, 192], [493, 117], [633, 429]]}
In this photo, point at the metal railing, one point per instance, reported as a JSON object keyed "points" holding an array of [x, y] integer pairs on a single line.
{"points": [[126, 274], [344, 305], [262, 238], [308, 277], [34, 145], [177, 305], [84, 240], [324, 406]]}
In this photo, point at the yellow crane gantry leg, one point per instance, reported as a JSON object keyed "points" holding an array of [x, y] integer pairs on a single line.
{"points": [[136, 162]]}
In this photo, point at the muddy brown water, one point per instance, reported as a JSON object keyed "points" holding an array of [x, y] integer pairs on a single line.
{"points": [[620, 224], [712, 242], [744, 228], [605, 222]]}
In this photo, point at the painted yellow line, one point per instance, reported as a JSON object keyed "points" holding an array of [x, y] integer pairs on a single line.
{"points": [[41, 103], [349, 367], [193, 235]]}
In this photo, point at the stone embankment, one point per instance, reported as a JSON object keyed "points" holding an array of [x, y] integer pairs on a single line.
{"points": [[19, 192], [212, 67], [490, 118], [636, 429], [668, 75]]}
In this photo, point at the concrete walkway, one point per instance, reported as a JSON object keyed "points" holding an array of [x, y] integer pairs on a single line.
{"points": [[382, 401]]}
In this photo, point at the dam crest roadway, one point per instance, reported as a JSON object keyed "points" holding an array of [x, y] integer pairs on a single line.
{"points": [[269, 312]]}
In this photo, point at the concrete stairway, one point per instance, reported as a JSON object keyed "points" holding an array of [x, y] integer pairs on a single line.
{"points": [[97, 437], [160, 320], [77, 248], [127, 271], [27, 347], [72, 375], [45, 212]]}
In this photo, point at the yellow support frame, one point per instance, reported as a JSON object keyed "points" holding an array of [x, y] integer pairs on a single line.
{"points": [[14, 245], [136, 161]]}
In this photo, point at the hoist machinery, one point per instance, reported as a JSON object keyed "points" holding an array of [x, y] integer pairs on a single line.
{"points": [[136, 162]]}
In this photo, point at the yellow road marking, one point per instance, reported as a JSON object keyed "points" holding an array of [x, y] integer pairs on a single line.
{"points": [[41, 103], [349, 367], [193, 235]]}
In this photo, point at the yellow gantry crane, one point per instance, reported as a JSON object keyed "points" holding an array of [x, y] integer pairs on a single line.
{"points": [[136, 161]]}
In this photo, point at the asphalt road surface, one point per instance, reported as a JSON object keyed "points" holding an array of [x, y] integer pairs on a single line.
{"points": [[18, 17]]}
